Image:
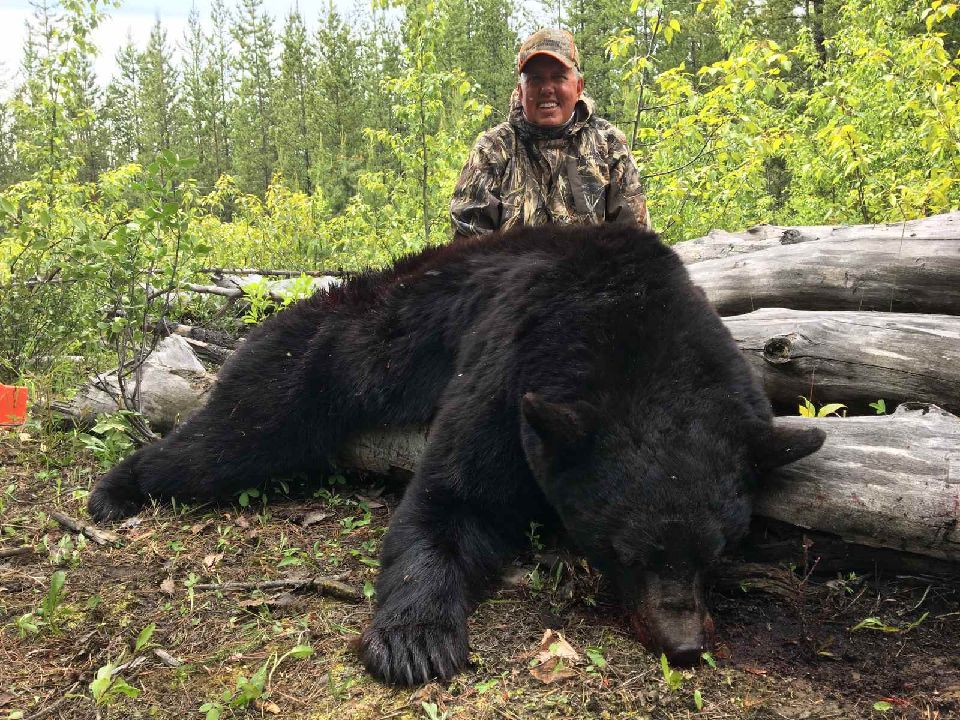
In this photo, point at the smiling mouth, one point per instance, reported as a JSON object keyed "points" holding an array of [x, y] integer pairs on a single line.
{"points": [[547, 105]]}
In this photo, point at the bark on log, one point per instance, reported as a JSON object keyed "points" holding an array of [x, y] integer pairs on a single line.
{"points": [[172, 384], [891, 481], [859, 273], [720, 243], [852, 357]]}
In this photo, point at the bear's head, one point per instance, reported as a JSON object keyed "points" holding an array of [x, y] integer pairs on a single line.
{"points": [[653, 501]]}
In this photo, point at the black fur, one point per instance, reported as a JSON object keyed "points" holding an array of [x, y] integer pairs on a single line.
{"points": [[573, 371]]}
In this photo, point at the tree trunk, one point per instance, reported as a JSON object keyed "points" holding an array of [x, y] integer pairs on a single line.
{"points": [[853, 358]]}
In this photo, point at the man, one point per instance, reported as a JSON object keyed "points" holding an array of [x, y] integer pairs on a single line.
{"points": [[553, 161]]}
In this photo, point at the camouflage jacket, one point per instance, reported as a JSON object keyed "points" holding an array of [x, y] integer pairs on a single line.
{"points": [[585, 176]]}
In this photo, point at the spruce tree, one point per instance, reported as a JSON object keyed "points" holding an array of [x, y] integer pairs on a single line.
{"points": [[218, 80], [254, 149], [124, 107], [296, 101], [160, 94]]}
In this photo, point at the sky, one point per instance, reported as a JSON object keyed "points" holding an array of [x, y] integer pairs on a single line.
{"points": [[135, 17]]}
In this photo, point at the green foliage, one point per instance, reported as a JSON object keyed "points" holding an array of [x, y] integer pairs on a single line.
{"points": [[339, 147], [47, 615], [596, 658], [109, 439], [108, 686], [863, 132], [256, 687], [143, 639], [673, 678], [808, 409], [875, 623], [53, 598]]}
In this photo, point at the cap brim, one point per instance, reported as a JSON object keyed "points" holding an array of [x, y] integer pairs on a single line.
{"points": [[562, 60]]}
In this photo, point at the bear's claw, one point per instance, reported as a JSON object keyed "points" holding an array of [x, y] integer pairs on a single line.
{"points": [[415, 654]]}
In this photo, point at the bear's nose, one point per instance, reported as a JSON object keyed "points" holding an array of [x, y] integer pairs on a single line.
{"points": [[686, 655]]}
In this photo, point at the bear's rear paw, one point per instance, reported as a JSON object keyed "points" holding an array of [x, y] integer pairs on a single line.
{"points": [[116, 496], [415, 654]]}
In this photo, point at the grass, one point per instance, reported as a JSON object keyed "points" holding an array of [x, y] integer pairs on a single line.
{"points": [[106, 641]]}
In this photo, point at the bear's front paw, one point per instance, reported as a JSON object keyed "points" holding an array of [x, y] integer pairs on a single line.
{"points": [[415, 654], [116, 496]]}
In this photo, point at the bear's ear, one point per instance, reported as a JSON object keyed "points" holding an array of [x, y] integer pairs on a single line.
{"points": [[776, 445], [560, 425]]}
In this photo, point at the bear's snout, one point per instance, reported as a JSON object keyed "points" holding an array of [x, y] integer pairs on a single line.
{"points": [[682, 636], [672, 618]]}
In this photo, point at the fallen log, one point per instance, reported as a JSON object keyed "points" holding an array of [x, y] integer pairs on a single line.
{"points": [[890, 481], [720, 243], [853, 358], [857, 273], [172, 384]]}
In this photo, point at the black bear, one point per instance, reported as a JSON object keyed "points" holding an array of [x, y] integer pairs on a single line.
{"points": [[567, 372]]}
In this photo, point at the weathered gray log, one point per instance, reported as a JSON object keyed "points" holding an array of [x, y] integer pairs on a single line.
{"points": [[890, 481], [858, 273], [720, 243], [853, 358], [172, 384]]}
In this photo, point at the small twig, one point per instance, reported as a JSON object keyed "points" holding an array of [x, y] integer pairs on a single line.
{"points": [[131, 665], [323, 586], [43, 712], [100, 537], [166, 658], [16, 551]]}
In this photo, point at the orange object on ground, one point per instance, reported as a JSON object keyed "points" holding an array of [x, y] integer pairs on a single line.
{"points": [[13, 405]]}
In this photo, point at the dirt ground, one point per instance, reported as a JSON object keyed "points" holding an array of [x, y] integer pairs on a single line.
{"points": [[823, 646]]}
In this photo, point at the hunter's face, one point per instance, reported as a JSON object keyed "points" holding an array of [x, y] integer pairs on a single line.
{"points": [[549, 91]]}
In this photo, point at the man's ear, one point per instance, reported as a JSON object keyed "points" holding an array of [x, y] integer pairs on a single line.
{"points": [[776, 445], [579, 84], [560, 426]]}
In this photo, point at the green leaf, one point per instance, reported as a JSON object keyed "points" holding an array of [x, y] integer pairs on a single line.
{"points": [[874, 623], [830, 409], [698, 700], [144, 637], [101, 682], [673, 678], [54, 595], [596, 657], [882, 706], [369, 590], [301, 651], [482, 687]]}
